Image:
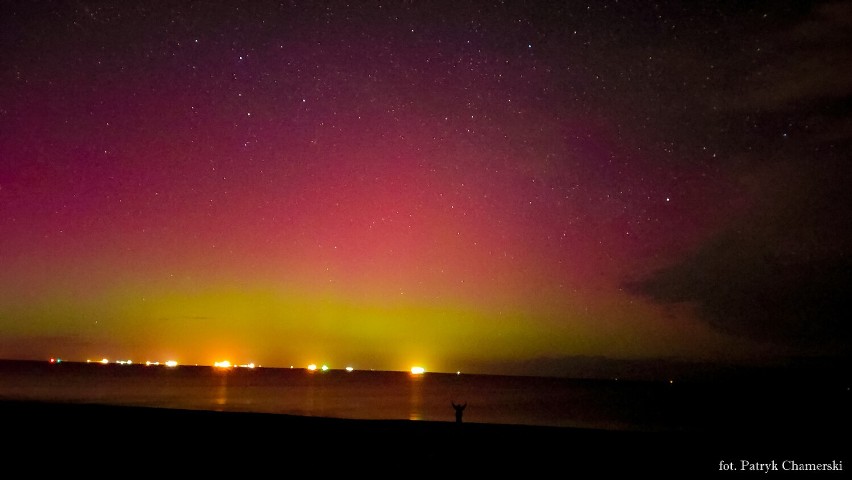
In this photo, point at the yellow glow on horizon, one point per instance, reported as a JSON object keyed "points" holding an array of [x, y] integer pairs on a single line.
{"points": [[222, 364], [349, 369], [418, 370], [324, 368], [171, 363], [208, 311], [312, 367], [220, 303], [104, 361]]}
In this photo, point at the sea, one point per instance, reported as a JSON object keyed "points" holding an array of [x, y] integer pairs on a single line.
{"points": [[609, 404]]}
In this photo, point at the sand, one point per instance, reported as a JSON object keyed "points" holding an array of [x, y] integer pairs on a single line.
{"points": [[114, 441]]}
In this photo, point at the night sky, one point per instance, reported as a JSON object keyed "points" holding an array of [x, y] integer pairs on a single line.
{"points": [[465, 186]]}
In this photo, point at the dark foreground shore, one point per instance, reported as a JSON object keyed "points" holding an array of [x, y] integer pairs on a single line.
{"points": [[47, 438]]}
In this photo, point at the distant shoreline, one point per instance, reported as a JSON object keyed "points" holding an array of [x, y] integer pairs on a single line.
{"points": [[595, 369]]}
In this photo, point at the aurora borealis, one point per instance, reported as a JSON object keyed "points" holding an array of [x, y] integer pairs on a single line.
{"points": [[458, 185]]}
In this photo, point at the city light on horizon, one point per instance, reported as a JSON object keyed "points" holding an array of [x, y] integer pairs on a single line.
{"points": [[226, 364]]}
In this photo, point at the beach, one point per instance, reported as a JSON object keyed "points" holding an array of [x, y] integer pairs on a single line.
{"points": [[60, 438]]}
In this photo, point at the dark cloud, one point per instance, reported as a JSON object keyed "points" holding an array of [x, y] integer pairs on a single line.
{"points": [[766, 297], [800, 72], [802, 61], [782, 273]]}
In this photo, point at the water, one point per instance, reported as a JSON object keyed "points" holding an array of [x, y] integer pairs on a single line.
{"points": [[561, 402]]}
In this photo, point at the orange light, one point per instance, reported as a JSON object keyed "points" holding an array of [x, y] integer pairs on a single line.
{"points": [[418, 370]]}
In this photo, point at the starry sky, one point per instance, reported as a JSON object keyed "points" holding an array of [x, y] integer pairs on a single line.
{"points": [[473, 186]]}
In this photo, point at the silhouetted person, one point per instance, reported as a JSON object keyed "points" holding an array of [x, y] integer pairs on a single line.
{"points": [[459, 411]]}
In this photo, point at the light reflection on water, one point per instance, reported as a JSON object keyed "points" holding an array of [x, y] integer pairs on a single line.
{"points": [[415, 402], [221, 397], [398, 395], [335, 393]]}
